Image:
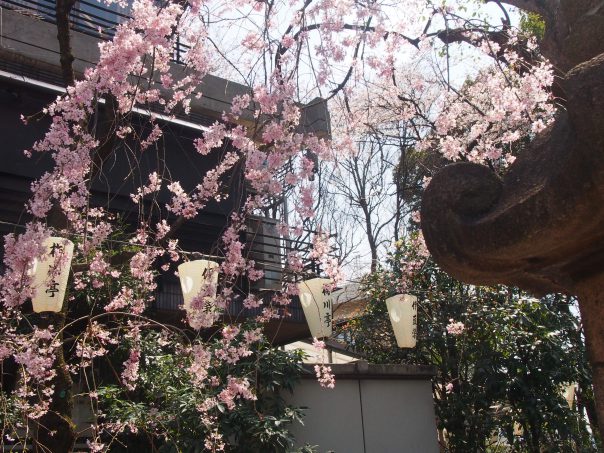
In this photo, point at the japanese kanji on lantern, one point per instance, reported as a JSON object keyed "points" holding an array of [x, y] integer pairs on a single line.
{"points": [[317, 306], [50, 273], [402, 310], [198, 277]]}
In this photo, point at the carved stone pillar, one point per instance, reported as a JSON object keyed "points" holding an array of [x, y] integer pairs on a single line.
{"points": [[541, 226]]}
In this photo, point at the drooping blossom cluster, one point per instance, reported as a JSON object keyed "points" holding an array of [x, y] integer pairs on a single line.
{"points": [[412, 255], [236, 388], [130, 372], [19, 252], [322, 371], [486, 120], [455, 328], [325, 376]]}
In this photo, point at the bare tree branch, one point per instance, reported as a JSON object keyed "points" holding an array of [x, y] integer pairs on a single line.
{"points": [[542, 7]]}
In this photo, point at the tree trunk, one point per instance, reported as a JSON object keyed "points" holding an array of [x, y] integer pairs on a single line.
{"points": [[591, 304], [55, 431], [62, 11]]}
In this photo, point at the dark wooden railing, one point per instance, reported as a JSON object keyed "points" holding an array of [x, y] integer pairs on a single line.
{"points": [[87, 17]]}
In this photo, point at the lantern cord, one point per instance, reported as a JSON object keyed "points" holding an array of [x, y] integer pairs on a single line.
{"points": [[117, 241], [571, 301]]}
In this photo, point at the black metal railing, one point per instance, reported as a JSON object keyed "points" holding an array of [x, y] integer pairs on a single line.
{"points": [[88, 17], [169, 299], [269, 250]]}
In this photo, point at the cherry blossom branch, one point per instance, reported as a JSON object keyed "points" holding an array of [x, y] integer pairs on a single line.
{"points": [[476, 36], [356, 27], [505, 20], [148, 320]]}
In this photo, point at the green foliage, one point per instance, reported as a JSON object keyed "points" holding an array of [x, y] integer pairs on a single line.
{"points": [[167, 401], [502, 379], [532, 24]]}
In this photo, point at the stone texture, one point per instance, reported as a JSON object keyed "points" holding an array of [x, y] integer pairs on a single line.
{"points": [[540, 227]]}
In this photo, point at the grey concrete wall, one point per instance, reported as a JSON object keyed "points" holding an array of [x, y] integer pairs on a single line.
{"points": [[399, 416], [33, 38], [374, 413]]}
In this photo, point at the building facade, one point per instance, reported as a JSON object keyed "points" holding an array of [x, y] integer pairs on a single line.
{"points": [[30, 78]]}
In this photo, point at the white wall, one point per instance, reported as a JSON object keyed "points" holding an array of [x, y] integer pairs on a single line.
{"points": [[319, 356], [371, 414]]}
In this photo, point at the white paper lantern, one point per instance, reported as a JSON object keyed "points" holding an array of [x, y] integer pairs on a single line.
{"points": [[402, 310], [50, 273], [194, 276], [317, 306]]}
